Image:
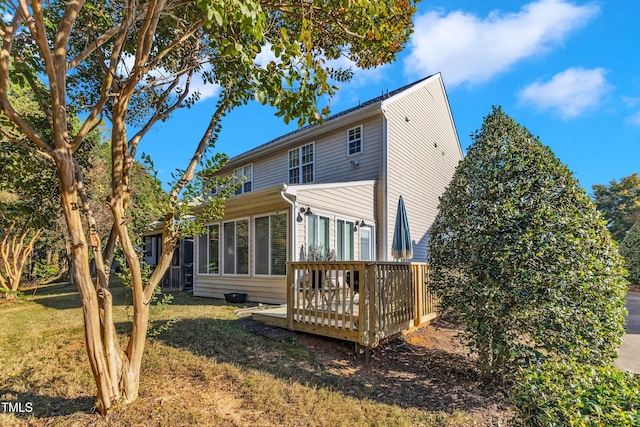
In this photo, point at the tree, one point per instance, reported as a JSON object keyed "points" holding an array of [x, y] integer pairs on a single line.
{"points": [[31, 204], [520, 254], [29, 182], [630, 250], [132, 63], [15, 249], [620, 204]]}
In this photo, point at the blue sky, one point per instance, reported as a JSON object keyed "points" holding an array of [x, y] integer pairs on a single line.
{"points": [[567, 70]]}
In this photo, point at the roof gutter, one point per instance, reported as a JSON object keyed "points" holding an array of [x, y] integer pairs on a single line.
{"points": [[294, 234]]}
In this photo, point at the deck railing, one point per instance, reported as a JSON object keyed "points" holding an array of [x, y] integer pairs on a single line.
{"points": [[358, 301]]}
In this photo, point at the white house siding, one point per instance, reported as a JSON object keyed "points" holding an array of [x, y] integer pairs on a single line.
{"points": [[332, 164], [268, 289], [417, 121], [344, 201]]}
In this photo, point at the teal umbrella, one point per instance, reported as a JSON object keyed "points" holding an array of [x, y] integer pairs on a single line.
{"points": [[401, 247]]}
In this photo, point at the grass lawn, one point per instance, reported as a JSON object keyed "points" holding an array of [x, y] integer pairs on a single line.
{"points": [[204, 370]]}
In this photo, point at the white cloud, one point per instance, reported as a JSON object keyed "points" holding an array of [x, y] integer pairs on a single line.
{"points": [[630, 101], [570, 93], [468, 48], [633, 120], [266, 55]]}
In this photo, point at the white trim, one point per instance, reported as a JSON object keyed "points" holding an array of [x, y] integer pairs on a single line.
{"points": [[293, 189], [269, 215], [372, 243], [242, 177], [415, 87], [361, 127], [344, 220], [385, 189], [329, 217], [358, 114], [301, 164], [293, 224], [249, 229], [196, 246]]}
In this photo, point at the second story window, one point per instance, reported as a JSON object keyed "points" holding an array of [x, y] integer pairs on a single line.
{"points": [[354, 140], [244, 176], [301, 164]]}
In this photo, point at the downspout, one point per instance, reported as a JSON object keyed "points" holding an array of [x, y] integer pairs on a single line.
{"points": [[294, 232], [385, 185]]}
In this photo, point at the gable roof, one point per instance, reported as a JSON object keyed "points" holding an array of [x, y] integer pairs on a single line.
{"points": [[284, 140]]}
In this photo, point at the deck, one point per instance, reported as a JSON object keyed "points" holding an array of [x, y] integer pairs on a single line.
{"points": [[362, 302]]}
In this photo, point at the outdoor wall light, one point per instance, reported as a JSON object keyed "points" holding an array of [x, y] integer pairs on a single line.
{"points": [[304, 211], [360, 224]]}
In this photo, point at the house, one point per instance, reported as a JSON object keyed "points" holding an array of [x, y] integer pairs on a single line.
{"points": [[179, 276], [335, 186]]}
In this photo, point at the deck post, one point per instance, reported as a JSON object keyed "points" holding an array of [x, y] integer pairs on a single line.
{"points": [[418, 279], [291, 286], [373, 309]]}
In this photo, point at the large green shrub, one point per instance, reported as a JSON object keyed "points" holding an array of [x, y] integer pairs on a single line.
{"points": [[519, 253], [630, 250], [571, 394]]}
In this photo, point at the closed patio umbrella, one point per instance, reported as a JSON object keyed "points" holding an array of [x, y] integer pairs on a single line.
{"points": [[401, 247]]}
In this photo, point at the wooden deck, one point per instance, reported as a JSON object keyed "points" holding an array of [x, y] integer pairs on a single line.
{"points": [[361, 302]]}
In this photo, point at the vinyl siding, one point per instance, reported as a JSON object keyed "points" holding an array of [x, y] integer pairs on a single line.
{"points": [[259, 288], [350, 203], [332, 164], [417, 170]]}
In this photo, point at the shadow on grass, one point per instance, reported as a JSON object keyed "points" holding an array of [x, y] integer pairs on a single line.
{"points": [[29, 405], [397, 374], [64, 296]]}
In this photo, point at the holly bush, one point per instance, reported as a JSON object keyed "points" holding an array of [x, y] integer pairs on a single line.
{"points": [[520, 255], [571, 394]]}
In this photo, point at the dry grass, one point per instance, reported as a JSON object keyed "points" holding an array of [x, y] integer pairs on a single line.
{"points": [[205, 370]]}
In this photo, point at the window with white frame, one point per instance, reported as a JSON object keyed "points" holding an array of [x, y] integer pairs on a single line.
{"points": [[366, 244], [244, 176], [236, 247], [301, 164], [270, 249], [209, 250], [345, 232], [318, 232], [354, 140]]}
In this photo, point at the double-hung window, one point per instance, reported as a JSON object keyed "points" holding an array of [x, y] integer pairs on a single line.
{"points": [[209, 250], [271, 245], [236, 247], [354, 140], [244, 176], [345, 231], [301, 164]]}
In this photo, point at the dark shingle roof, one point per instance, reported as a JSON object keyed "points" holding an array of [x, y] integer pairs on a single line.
{"points": [[331, 118]]}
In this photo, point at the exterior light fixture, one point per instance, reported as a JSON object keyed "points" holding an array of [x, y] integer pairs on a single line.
{"points": [[360, 224], [304, 211]]}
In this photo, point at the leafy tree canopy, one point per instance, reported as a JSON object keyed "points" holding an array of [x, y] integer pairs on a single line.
{"points": [[630, 250], [520, 254], [620, 204], [133, 63]]}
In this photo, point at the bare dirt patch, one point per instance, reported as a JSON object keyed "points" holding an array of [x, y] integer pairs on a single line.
{"points": [[428, 369]]}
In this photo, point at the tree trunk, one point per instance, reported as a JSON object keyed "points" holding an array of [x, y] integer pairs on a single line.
{"points": [[116, 373], [14, 253]]}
